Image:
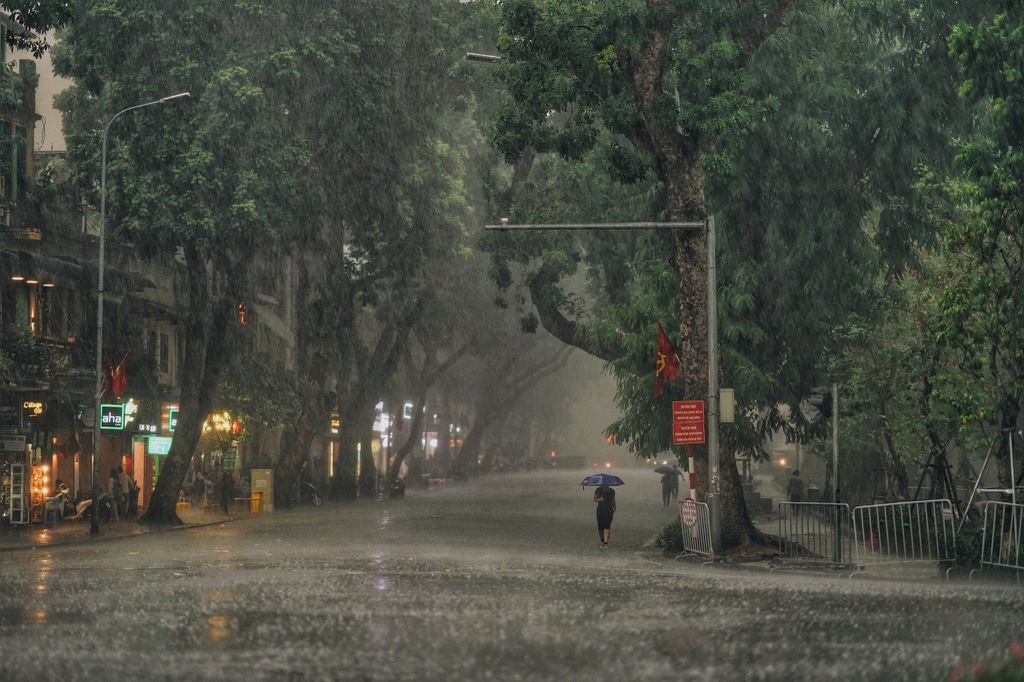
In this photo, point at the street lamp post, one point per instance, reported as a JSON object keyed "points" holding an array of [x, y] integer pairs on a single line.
{"points": [[96, 450]]}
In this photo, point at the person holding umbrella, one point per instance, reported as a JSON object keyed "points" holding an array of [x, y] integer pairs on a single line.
{"points": [[605, 498], [666, 487]]}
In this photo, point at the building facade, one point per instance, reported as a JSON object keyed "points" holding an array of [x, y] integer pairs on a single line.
{"points": [[48, 306]]}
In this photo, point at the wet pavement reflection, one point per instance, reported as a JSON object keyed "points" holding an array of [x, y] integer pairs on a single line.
{"points": [[499, 578]]}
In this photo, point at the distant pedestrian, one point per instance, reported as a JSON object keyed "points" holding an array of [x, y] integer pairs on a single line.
{"points": [[795, 490], [125, 488], [198, 490], [676, 473], [605, 498], [133, 498], [666, 488], [227, 490], [115, 495]]}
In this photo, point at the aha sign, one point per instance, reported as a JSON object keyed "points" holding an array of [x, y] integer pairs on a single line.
{"points": [[112, 417]]}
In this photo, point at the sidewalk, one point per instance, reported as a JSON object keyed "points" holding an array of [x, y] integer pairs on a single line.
{"points": [[37, 535]]}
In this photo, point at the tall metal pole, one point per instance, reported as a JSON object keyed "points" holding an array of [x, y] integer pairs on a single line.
{"points": [[714, 478], [94, 528], [835, 436], [838, 534]]}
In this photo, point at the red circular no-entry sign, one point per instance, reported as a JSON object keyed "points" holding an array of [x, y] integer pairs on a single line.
{"points": [[688, 512]]}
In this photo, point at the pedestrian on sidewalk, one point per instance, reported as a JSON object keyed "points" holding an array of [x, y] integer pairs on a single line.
{"points": [[795, 490], [133, 498], [666, 488], [198, 490], [605, 498], [125, 488], [115, 495], [227, 489]]}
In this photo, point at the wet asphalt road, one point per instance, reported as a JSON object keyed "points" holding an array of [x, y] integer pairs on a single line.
{"points": [[501, 578]]}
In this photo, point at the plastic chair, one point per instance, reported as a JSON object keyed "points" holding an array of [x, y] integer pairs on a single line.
{"points": [[51, 510]]}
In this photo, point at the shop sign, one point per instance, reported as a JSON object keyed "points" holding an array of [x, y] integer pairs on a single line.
{"points": [[33, 408], [158, 445], [335, 428], [112, 417], [10, 414], [172, 419], [12, 443], [131, 412]]}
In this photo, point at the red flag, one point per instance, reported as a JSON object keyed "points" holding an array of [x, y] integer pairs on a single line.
{"points": [[668, 362], [119, 378]]}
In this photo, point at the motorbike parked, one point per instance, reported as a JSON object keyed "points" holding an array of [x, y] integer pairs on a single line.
{"points": [[72, 511], [397, 488], [308, 494]]}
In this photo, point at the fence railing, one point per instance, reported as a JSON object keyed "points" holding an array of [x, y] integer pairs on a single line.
{"points": [[695, 521], [1001, 536], [814, 533], [922, 530]]}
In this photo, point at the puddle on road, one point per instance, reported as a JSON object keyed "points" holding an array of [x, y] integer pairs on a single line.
{"points": [[40, 616]]}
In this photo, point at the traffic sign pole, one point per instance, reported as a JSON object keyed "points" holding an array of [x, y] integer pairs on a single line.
{"points": [[714, 483], [691, 473]]}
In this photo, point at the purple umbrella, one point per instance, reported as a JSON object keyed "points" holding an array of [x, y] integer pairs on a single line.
{"points": [[602, 479]]}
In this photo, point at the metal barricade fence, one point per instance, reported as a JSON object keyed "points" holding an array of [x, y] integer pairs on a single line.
{"points": [[814, 534], [1001, 536], [695, 521], [904, 531]]}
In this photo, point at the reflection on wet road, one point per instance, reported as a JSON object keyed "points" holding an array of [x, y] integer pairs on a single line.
{"points": [[500, 578]]}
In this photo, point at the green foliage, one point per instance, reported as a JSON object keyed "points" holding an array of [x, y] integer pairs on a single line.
{"points": [[670, 538], [257, 392], [983, 306], [901, 388], [571, 57], [968, 547], [23, 356], [563, 192], [37, 17], [812, 203]]}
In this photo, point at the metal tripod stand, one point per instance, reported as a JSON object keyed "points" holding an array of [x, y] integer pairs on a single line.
{"points": [[942, 487]]}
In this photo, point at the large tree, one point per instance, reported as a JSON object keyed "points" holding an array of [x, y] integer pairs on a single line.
{"points": [[811, 201], [373, 99], [984, 307], [654, 76], [212, 175]]}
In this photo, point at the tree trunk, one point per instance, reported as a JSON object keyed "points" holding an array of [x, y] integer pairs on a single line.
{"points": [[416, 428], [310, 421], [469, 453], [369, 473], [314, 409], [344, 487], [206, 326], [415, 431]]}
